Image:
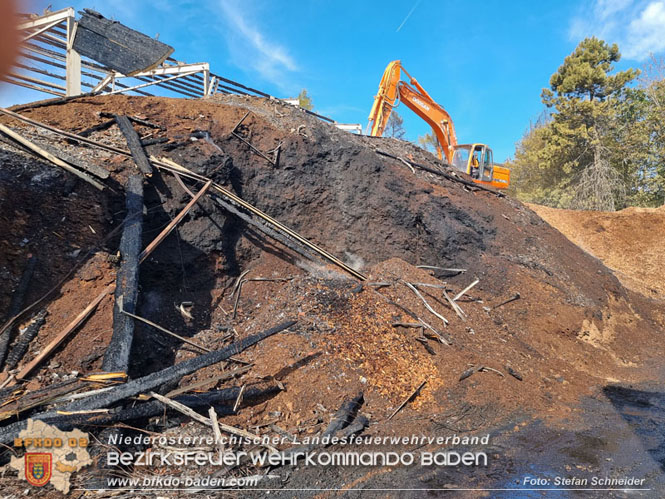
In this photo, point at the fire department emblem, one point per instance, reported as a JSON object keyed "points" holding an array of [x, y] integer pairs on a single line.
{"points": [[38, 468]]}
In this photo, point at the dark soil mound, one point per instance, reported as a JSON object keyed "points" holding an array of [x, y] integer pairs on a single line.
{"points": [[573, 328]]}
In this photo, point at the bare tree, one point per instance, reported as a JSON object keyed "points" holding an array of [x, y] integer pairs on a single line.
{"points": [[600, 185]]}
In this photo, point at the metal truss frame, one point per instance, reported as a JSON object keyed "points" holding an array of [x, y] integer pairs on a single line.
{"points": [[48, 63]]}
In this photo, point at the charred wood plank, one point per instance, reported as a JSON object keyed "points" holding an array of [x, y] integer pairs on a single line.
{"points": [[47, 155], [134, 144], [71, 327], [135, 119], [97, 128], [265, 229], [16, 304], [217, 398], [178, 218], [467, 373], [116, 358], [116, 46], [514, 373], [152, 381], [39, 397], [343, 418], [21, 347], [144, 384], [358, 425], [153, 141], [345, 415]]}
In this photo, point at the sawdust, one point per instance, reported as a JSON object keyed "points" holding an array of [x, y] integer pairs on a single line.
{"points": [[392, 363], [629, 241]]}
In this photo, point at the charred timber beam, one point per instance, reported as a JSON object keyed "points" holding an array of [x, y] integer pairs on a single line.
{"points": [[134, 143], [16, 304], [176, 220], [153, 141], [154, 380], [97, 128], [39, 397], [153, 408], [134, 119], [341, 419], [345, 415], [116, 358], [144, 384], [21, 347], [264, 229]]}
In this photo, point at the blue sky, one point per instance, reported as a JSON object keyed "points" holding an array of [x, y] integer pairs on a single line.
{"points": [[485, 62]]}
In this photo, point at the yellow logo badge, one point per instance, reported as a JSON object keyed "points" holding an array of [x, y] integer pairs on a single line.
{"points": [[38, 468]]}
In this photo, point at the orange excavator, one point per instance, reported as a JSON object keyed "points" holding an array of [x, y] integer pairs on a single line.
{"points": [[473, 159]]}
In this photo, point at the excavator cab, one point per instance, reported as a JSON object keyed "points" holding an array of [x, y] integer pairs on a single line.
{"points": [[477, 161]]}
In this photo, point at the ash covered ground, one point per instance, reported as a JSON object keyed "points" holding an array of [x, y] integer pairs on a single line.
{"points": [[574, 331]]}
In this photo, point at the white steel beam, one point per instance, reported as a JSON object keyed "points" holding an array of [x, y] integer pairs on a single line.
{"points": [[32, 87], [41, 30], [206, 82], [212, 87], [350, 127], [49, 18], [104, 82], [171, 70], [73, 61], [156, 82], [35, 80]]}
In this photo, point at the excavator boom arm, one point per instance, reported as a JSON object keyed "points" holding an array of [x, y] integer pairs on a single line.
{"points": [[435, 116], [385, 99], [392, 89]]}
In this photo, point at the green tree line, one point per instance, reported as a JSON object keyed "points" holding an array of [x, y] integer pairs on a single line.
{"points": [[600, 144]]}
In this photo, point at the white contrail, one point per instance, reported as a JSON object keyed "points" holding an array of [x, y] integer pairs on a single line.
{"points": [[408, 15]]}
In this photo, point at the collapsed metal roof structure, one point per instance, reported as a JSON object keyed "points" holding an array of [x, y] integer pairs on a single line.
{"points": [[67, 57], [62, 56]]}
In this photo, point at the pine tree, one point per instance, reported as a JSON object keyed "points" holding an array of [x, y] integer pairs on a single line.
{"points": [[575, 159], [395, 126]]}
